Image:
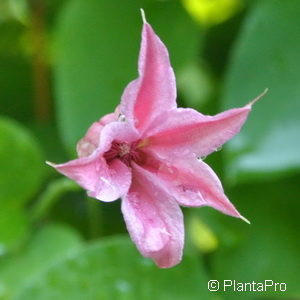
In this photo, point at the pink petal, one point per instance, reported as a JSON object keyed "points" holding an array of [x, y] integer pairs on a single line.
{"points": [[192, 183], [154, 92], [115, 184], [154, 220], [117, 131], [186, 132], [104, 182], [88, 144]]}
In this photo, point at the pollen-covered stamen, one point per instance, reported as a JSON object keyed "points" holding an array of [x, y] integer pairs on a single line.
{"points": [[124, 149], [124, 152]]}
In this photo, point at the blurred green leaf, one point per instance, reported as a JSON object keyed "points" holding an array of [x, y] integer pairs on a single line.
{"points": [[51, 195], [21, 164], [16, 91], [4, 10], [51, 245], [96, 53], [112, 269], [19, 9], [195, 85], [266, 55], [21, 174], [14, 228], [175, 28], [269, 248]]}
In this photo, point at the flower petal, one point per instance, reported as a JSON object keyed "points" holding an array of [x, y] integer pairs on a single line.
{"points": [[154, 92], [115, 184], [154, 219], [192, 183], [185, 131], [88, 144], [106, 183]]}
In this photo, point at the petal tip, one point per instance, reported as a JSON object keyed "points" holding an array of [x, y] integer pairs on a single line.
{"points": [[258, 97], [143, 16], [167, 265], [49, 163], [245, 220]]}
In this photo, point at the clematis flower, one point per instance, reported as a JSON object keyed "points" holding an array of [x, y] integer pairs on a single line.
{"points": [[147, 153]]}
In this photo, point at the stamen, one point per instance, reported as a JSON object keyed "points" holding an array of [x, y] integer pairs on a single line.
{"points": [[124, 152], [124, 149]]}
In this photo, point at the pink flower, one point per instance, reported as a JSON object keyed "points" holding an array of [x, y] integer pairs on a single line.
{"points": [[147, 153]]}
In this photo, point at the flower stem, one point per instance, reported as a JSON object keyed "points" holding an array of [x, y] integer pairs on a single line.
{"points": [[41, 77]]}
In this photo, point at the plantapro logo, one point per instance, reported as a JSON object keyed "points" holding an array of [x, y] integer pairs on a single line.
{"points": [[237, 286]]}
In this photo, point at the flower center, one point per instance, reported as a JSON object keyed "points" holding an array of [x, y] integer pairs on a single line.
{"points": [[124, 149], [124, 152]]}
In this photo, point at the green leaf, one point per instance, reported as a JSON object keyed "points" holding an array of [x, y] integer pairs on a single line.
{"points": [[96, 53], [14, 228], [112, 269], [195, 85], [269, 248], [47, 248], [178, 30], [21, 165], [21, 174], [16, 80], [51, 195], [266, 55]]}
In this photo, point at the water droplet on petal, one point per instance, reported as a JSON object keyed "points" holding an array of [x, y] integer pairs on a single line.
{"points": [[201, 157], [121, 118]]}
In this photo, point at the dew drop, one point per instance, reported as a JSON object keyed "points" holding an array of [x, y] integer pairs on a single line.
{"points": [[121, 118], [201, 157]]}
